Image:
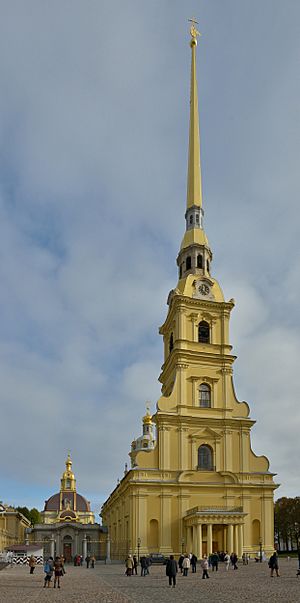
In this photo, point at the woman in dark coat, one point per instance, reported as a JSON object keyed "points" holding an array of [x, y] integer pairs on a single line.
{"points": [[171, 570], [273, 564]]}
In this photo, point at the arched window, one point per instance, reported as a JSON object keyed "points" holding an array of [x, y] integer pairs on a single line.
{"points": [[199, 261], [205, 458], [203, 332], [191, 219], [188, 262], [171, 343], [180, 271], [207, 265], [204, 395]]}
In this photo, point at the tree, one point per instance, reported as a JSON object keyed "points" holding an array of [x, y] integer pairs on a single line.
{"points": [[287, 522], [33, 514]]}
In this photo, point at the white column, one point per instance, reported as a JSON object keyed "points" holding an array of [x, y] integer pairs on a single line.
{"points": [[84, 547], [52, 546], [188, 539], [108, 559], [209, 539], [241, 544], [199, 541], [194, 549], [76, 544], [236, 539], [230, 539]]}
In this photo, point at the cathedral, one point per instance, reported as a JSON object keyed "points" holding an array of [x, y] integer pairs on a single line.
{"points": [[194, 485]]}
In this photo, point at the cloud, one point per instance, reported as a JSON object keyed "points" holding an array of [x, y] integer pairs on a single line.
{"points": [[93, 154]]}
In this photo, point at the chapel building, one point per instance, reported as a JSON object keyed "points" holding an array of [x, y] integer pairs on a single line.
{"points": [[195, 485], [68, 525]]}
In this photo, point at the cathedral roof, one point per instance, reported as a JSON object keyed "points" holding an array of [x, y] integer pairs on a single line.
{"points": [[52, 504]]}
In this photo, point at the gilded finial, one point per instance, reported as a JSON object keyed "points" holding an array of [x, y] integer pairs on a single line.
{"points": [[194, 31]]}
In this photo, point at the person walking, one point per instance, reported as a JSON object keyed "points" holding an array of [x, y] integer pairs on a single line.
{"points": [[194, 563], [32, 563], [234, 559], [227, 561], [57, 572], [186, 564], [143, 562], [204, 565], [273, 565], [62, 561], [171, 570], [215, 561], [93, 559], [48, 569], [135, 564], [87, 560], [180, 562], [129, 565]]}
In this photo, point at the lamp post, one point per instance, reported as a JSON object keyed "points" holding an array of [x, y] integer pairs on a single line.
{"points": [[260, 550], [138, 547], [182, 545]]}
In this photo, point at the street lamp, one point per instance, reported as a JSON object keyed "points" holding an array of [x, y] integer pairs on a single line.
{"points": [[182, 545], [260, 550], [138, 547]]}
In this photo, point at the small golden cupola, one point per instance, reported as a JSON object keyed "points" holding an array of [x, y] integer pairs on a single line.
{"points": [[146, 441], [68, 481]]}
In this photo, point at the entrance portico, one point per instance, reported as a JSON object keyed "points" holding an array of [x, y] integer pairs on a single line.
{"points": [[214, 529]]}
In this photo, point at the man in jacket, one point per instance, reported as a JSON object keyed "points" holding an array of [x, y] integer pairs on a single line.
{"points": [[171, 570]]}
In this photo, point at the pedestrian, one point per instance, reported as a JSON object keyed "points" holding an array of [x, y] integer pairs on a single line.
{"points": [[88, 559], [62, 561], [214, 561], [186, 564], [143, 563], [135, 564], [32, 563], [180, 562], [148, 563], [171, 570], [129, 565], [48, 569], [93, 559], [273, 565], [57, 571], [227, 561], [234, 559], [194, 563], [204, 565]]}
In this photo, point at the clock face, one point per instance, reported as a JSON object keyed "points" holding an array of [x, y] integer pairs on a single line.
{"points": [[203, 289]]}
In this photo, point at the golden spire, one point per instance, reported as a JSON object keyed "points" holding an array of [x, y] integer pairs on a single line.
{"points": [[194, 186]]}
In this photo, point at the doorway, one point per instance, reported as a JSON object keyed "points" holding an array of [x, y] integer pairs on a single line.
{"points": [[67, 551]]}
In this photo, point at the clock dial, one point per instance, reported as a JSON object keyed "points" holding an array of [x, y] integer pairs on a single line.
{"points": [[203, 289]]}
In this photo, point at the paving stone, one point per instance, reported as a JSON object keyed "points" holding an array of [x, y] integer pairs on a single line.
{"points": [[108, 584]]}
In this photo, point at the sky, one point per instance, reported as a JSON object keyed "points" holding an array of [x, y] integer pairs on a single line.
{"points": [[93, 165]]}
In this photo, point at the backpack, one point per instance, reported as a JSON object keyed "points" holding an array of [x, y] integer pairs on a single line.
{"points": [[46, 568]]}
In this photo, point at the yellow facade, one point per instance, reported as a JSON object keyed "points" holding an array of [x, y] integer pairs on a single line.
{"points": [[12, 527], [197, 486]]}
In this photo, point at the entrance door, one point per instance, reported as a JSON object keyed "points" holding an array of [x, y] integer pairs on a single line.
{"points": [[67, 551]]}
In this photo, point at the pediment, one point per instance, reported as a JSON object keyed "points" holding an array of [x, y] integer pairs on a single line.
{"points": [[207, 433]]}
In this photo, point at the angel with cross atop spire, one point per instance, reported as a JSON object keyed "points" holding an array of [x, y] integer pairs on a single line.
{"points": [[193, 31]]}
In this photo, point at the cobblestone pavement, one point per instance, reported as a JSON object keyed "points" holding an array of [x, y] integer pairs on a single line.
{"points": [[108, 584]]}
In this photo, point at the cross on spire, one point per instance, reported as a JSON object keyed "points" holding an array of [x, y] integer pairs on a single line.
{"points": [[193, 30]]}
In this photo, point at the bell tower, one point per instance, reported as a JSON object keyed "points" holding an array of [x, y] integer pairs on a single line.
{"points": [[199, 485]]}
